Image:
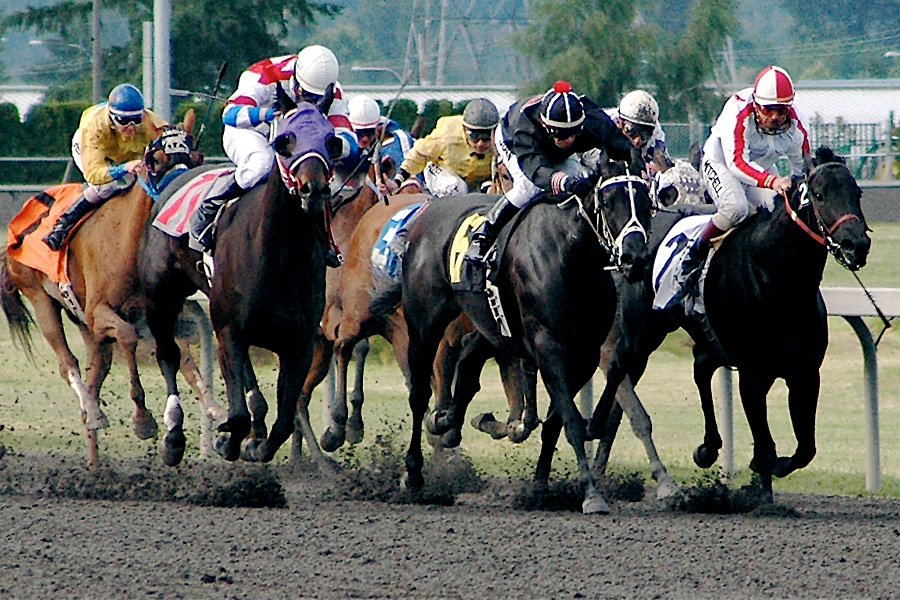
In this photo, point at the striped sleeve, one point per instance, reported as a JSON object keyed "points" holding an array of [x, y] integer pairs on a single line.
{"points": [[741, 154], [241, 113]]}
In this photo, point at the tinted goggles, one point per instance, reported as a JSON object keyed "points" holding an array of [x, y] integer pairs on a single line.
{"points": [[774, 111], [479, 135], [369, 132], [633, 130], [563, 134], [125, 120]]}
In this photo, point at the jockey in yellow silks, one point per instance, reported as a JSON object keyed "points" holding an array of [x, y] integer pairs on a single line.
{"points": [[107, 148]]}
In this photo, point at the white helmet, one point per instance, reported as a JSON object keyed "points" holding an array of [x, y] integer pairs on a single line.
{"points": [[315, 68], [773, 87], [364, 112], [640, 108]]}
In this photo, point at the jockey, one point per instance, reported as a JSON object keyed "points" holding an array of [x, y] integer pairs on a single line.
{"points": [[455, 157], [638, 117], [107, 148], [311, 76], [536, 140], [756, 127], [369, 125]]}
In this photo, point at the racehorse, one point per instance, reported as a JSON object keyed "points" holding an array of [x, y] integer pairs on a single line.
{"points": [[268, 286], [559, 302], [106, 301], [762, 298]]}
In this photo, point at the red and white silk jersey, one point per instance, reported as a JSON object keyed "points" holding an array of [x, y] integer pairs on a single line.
{"points": [[749, 154]]}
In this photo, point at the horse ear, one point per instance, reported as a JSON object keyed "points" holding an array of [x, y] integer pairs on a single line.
{"points": [[283, 100], [661, 160], [335, 147], [284, 144], [824, 154], [695, 154], [190, 119]]}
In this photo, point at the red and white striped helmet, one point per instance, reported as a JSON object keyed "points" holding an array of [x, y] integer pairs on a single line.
{"points": [[773, 87]]}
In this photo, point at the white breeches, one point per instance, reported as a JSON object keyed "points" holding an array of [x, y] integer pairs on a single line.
{"points": [[523, 189], [250, 151], [96, 194], [734, 199]]}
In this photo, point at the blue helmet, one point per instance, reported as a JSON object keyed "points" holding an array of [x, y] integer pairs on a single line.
{"points": [[126, 101]]}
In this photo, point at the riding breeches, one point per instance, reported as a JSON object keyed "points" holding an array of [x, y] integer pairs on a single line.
{"points": [[442, 181], [734, 199], [250, 151], [98, 194], [523, 189]]}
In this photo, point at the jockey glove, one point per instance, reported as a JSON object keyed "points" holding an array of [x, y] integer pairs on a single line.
{"points": [[580, 186]]}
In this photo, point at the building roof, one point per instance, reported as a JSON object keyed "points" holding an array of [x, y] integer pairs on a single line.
{"points": [[848, 100], [23, 96]]}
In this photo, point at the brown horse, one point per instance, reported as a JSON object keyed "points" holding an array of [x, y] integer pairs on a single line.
{"points": [[102, 269]]}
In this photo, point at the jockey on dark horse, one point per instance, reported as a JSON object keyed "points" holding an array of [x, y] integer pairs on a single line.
{"points": [[637, 115], [756, 127], [107, 148], [312, 74], [536, 141]]}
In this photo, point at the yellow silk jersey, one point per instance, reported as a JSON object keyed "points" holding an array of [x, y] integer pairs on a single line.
{"points": [[448, 146], [103, 147]]}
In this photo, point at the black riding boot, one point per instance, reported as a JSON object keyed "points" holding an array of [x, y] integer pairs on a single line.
{"points": [[688, 278], [202, 225], [484, 237], [66, 222]]}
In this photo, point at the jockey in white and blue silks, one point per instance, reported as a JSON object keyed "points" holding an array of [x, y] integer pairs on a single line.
{"points": [[309, 76], [369, 125], [638, 117]]}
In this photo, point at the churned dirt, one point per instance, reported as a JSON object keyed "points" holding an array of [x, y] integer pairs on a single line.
{"points": [[134, 529]]}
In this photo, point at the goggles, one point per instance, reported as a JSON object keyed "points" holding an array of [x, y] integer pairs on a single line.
{"points": [[634, 130], [368, 132], [777, 110], [479, 135], [126, 120], [563, 134]]}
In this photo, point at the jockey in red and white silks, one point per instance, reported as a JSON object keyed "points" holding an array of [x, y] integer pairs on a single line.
{"points": [[251, 108], [739, 159]]}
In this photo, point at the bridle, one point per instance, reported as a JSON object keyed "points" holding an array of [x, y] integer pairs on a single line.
{"points": [[601, 228], [825, 237]]}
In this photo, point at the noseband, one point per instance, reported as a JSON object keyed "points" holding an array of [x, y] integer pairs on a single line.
{"points": [[825, 237]]}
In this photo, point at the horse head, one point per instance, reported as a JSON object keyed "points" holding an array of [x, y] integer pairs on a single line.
{"points": [[830, 197], [172, 152], [623, 205], [305, 149]]}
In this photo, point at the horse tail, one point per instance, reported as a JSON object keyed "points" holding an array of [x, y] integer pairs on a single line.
{"points": [[17, 316], [386, 301]]}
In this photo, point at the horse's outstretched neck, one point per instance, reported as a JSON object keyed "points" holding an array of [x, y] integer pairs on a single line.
{"points": [[17, 315]]}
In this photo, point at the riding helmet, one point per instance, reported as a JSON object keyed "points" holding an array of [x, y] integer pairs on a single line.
{"points": [[640, 108], [773, 87], [125, 100], [480, 113], [364, 112], [315, 68], [561, 108]]}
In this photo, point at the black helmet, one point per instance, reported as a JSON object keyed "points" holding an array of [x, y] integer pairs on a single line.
{"points": [[561, 109], [480, 113]]}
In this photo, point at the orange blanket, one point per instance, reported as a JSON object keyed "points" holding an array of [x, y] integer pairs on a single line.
{"points": [[28, 228]]}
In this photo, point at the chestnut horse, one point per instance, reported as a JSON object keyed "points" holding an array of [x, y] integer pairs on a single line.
{"points": [[102, 269]]}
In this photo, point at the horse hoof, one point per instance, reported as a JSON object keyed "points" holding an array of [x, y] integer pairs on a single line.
{"points": [[172, 449], [486, 423], [225, 449], [667, 489], [331, 440], [518, 432], [411, 481], [437, 422], [451, 439], [354, 434], [145, 427], [594, 505], [252, 450], [101, 422], [783, 467], [704, 457]]}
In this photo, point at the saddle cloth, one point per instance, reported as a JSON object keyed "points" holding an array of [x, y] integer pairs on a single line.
{"points": [[175, 214], [388, 250], [26, 231], [669, 257]]}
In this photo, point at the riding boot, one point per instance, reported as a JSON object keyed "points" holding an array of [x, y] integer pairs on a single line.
{"points": [[67, 221], [688, 278], [483, 237], [202, 225]]}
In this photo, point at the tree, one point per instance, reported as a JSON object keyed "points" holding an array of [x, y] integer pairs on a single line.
{"points": [[204, 34]]}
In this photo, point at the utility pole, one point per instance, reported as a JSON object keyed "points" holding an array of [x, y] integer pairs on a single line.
{"points": [[96, 55]]}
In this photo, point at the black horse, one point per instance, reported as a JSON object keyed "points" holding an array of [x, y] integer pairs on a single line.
{"points": [[557, 292], [763, 303], [268, 285]]}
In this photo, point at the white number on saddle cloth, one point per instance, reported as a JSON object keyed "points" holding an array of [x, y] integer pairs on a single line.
{"points": [[669, 257]]}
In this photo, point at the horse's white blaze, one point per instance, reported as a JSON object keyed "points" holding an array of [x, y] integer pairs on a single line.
{"points": [[174, 416], [95, 419]]}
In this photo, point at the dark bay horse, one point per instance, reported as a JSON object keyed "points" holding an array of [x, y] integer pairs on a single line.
{"points": [[102, 269], [558, 296], [762, 298], [268, 285]]}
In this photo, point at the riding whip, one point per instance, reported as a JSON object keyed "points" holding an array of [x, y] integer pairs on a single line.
{"points": [[212, 98], [376, 154]]}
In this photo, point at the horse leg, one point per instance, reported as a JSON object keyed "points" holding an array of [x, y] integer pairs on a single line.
{"points": [[754, 387], [99, 360], [349, 333], [232, 353], [549, 436], [803, 397], [323, 351], [355, 426], [107, 324], [212, 412], [255, 400], [705, 365], [552, 365]]}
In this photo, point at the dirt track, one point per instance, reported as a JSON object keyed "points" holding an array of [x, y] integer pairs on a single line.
{"points": [[56, 545]]}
